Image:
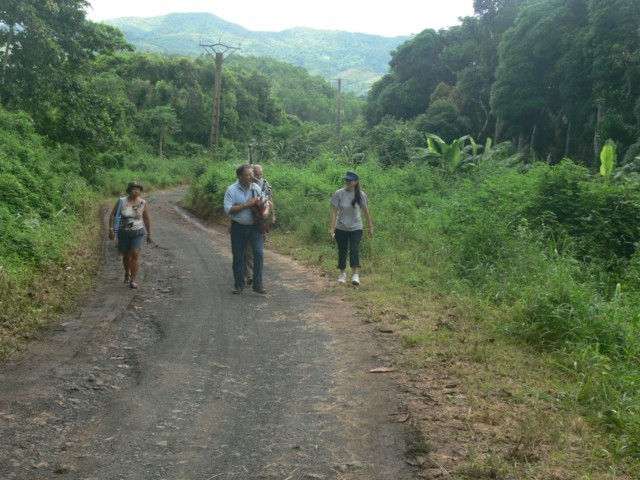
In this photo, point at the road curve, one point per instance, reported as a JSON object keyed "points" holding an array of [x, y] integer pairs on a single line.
{"points": [[183, 380]]}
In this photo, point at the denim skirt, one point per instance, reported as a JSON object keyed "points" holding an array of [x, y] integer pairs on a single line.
{"points": [[130, 239]]}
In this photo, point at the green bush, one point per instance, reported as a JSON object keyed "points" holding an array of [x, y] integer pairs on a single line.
{"points": [[206, 195], [39, 198], [444, 119], [111, 160], [393, 141], [151, 171], [603, 218]]}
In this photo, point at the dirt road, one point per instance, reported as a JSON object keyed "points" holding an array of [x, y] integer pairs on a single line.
{"points": [[183, 380]]}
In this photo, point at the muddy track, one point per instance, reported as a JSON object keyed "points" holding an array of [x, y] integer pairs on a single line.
{"points": [[182, 380]]}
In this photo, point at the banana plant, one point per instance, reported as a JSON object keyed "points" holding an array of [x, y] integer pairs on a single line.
{"points": [[478, 152], [629, 172], [487, 147], [452, 157], [608, 159], [474, 147]]}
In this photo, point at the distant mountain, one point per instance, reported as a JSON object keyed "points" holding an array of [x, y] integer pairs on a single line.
{"points": [[358, 58]]}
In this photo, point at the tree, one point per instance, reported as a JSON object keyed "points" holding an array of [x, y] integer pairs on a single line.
{"points": [[613, 39], [415, 71], [444, 119], [190, 107], [393, 140], [162, 121], [525, 94], [46, 46]]}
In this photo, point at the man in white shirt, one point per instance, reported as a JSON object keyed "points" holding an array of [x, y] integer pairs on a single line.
{"points": [[238, 202]]}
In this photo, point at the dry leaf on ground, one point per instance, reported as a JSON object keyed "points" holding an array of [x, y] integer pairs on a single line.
{"points": [[382, 370]]}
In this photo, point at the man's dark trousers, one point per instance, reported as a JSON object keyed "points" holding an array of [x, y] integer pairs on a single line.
{"points": [[240, 236]]}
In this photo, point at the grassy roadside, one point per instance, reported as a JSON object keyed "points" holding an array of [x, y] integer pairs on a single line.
{"points": [[489, 401], [66, 249], [486, 407], [32, 298], [50, 228]]}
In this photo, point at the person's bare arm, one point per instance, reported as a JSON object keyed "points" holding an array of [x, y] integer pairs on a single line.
{"points": [[367, 214], [146, 218], [241, 206], [332, 221]]}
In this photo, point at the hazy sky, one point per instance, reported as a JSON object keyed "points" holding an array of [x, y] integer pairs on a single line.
{"points": [[395, 17]]}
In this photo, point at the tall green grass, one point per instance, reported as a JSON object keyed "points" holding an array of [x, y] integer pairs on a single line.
{"points": [[153, 172], [550, 249]]}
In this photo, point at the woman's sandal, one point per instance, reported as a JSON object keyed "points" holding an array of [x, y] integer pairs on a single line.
{"points": [[133, 285]]}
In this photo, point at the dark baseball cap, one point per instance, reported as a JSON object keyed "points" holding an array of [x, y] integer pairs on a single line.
{"points": [[351, 176]]}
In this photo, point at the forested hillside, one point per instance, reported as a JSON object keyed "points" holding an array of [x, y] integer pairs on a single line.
{"points": [[99, 98], [358, 58], [559, 77]]}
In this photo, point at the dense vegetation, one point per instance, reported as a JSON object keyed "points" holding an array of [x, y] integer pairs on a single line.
{"points": [[558, 77], [549, 248], [356, 57]]}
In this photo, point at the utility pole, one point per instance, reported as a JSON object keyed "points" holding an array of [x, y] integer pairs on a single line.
{"points": [[338, 106], [219, 50]]}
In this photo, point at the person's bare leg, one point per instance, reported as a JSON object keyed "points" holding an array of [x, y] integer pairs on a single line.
{"points": [[134, 264], [127, 268]]}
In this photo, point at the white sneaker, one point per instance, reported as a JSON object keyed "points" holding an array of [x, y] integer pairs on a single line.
{"points": [[355, 279], [342, 278]]}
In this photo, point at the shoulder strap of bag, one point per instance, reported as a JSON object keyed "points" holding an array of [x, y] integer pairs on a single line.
{"points": [[116, 223]]}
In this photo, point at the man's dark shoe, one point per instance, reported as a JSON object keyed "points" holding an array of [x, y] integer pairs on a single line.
{"points": [[259, 290], [236, 291]]}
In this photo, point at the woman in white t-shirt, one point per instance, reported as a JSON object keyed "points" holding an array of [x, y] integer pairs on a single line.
{"points": [[346, 225], [129, 219]]}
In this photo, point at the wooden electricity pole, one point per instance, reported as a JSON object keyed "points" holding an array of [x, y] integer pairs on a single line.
{"points": [[219, 50], [338, 106]]}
